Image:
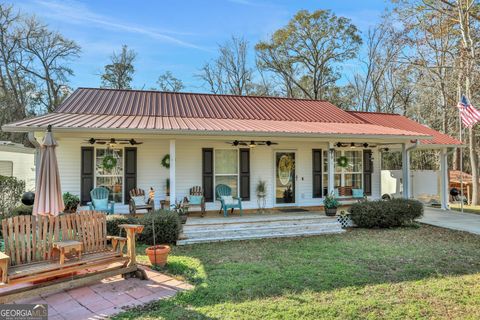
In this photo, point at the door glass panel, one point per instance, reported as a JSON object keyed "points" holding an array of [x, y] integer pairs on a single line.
{"points": [[285, 177]]}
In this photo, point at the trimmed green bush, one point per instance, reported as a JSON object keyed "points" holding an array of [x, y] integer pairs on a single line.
{"points": [[386, 214], [167, 227], [11, 190], [115, 220], [22, 210]]}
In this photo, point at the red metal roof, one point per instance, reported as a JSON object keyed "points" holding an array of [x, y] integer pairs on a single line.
{"points": [[153, 110], [392, 120], [91, 121], [200, 105]]}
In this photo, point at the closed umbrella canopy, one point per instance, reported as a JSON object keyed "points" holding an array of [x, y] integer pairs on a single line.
{"points": [[48, 198]]}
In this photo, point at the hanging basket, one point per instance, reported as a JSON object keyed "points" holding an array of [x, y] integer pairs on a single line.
{"points": [[166, 161], [109, 162], [342, 162]]}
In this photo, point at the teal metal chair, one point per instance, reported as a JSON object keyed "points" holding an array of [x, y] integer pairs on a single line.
{"points": [[100, 200], [224, 194]]}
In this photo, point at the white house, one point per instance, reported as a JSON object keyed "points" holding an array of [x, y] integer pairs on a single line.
{"points": [[18, 161], [303, 149]]}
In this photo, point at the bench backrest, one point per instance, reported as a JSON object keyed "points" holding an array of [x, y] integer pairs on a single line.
{"points": [[29, 238]]}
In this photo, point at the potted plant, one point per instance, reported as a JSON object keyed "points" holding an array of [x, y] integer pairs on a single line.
{"points": [[181, 208], [167, 188], [158, 254], [331, 204], [71, 202]]}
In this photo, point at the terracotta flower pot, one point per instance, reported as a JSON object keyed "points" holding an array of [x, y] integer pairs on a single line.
{"points": [[158, 254]]}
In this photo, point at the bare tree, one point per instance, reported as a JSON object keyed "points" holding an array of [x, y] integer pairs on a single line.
{"points": [[168, 82], [229, 72], [119, 72], [306, 53]]}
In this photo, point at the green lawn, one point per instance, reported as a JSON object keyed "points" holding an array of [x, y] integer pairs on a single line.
{"points": [[408, 273], [470, 209]]}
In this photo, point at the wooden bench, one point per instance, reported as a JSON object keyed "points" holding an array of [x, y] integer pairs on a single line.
{"points": [[31, 243]]}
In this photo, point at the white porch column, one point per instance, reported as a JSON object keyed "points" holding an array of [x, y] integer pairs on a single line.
{"points": [[406, 171], [444, 178], [331, 168], [172, 173]]}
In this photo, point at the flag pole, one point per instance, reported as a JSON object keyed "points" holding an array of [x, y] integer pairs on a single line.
{"points": [[461, 159]]}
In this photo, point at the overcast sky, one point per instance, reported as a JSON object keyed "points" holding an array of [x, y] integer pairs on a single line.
{"points": [[175, 35]]}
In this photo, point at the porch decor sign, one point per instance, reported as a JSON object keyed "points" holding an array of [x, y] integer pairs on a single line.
{"points": [[285, 167], [109, 162]]}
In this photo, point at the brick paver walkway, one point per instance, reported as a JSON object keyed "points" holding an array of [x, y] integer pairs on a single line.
{"points": [[108, 297]]}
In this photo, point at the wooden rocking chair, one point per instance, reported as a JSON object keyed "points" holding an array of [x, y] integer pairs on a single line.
{"points": [[138, 201], [196, 198]]}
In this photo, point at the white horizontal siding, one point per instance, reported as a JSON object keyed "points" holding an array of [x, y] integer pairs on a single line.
{"points": [[150, 172]]}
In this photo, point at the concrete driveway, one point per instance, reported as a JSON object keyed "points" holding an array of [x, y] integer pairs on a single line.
{"points": [[452, 220]]}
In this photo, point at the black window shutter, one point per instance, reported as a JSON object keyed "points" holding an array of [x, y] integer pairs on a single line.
{"points": [[367, 172], [130, 171], [86, 174], [207, 174], [317, 173], [245, 174]]}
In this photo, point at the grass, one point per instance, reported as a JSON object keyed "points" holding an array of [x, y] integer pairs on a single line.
{"points": [[406, 273], [466, 208]]}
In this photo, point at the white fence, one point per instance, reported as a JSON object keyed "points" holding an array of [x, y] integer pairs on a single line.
{"points": [[425, 184]]}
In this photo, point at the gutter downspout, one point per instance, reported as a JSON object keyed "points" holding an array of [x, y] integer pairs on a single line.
{"points": [[34, 142], [406, 167]]}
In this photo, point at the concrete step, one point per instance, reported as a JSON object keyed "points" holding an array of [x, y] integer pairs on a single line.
{"points": [[215, 238], [256, 224], [193, 221], [266, 228]]}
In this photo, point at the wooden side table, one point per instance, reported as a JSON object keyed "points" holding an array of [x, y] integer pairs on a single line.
{"points": [[66, 247]]}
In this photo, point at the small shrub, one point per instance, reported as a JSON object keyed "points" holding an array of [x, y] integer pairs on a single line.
{"points": [[22, 210], [167, 227], [114, 221], [71, 202], [386, 214], [11, 190]]}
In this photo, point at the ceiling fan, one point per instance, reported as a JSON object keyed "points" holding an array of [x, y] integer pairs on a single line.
{"points": [[251, 143], [113, 141], [354, 145]]}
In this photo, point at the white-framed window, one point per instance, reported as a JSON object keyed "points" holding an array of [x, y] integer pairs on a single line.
{"points": [[226, 168], [110, 178], [348, 178]]}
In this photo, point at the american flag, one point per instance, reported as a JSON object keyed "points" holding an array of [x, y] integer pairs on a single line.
{"points": [[469, 114]]}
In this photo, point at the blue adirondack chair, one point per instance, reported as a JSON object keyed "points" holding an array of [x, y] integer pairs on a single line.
{"points": [[224, 194], [100, 200]]}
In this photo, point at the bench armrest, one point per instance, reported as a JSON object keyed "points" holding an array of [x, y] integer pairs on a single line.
{"points": [[4, 262]]}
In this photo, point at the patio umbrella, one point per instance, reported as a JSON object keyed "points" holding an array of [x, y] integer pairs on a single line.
{"points": [[48, 198]]}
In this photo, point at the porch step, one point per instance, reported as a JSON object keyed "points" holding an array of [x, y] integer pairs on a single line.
{"points": [[200, 230], [259, 236]]}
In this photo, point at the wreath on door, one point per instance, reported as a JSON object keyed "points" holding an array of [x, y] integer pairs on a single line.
{"points": [[342, 162], [166, 161], [109, 162]]}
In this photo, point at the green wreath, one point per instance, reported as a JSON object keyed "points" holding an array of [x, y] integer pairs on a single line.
{"points": [[109, 162], [342, 162], [166, 161]]}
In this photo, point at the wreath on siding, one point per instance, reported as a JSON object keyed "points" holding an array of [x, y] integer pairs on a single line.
{"points": [[166, 161], [342, 162], [109, 162]]}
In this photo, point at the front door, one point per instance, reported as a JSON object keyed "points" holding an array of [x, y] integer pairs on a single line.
{"points": [[284, 178]]}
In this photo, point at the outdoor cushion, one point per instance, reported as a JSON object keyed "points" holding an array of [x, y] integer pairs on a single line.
{"points": [[139, 200], [195, 199], [357, 193], [228, 200], [100, 204]]}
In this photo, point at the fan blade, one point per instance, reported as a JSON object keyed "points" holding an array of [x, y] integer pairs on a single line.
{"points": [[101, 142]]}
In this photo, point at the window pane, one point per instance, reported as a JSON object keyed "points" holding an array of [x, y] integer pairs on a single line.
{"points": [[114, 185], [230, 181], [338, 154], [226, 162], [354, 161], [115, 171], [353, 180]]}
